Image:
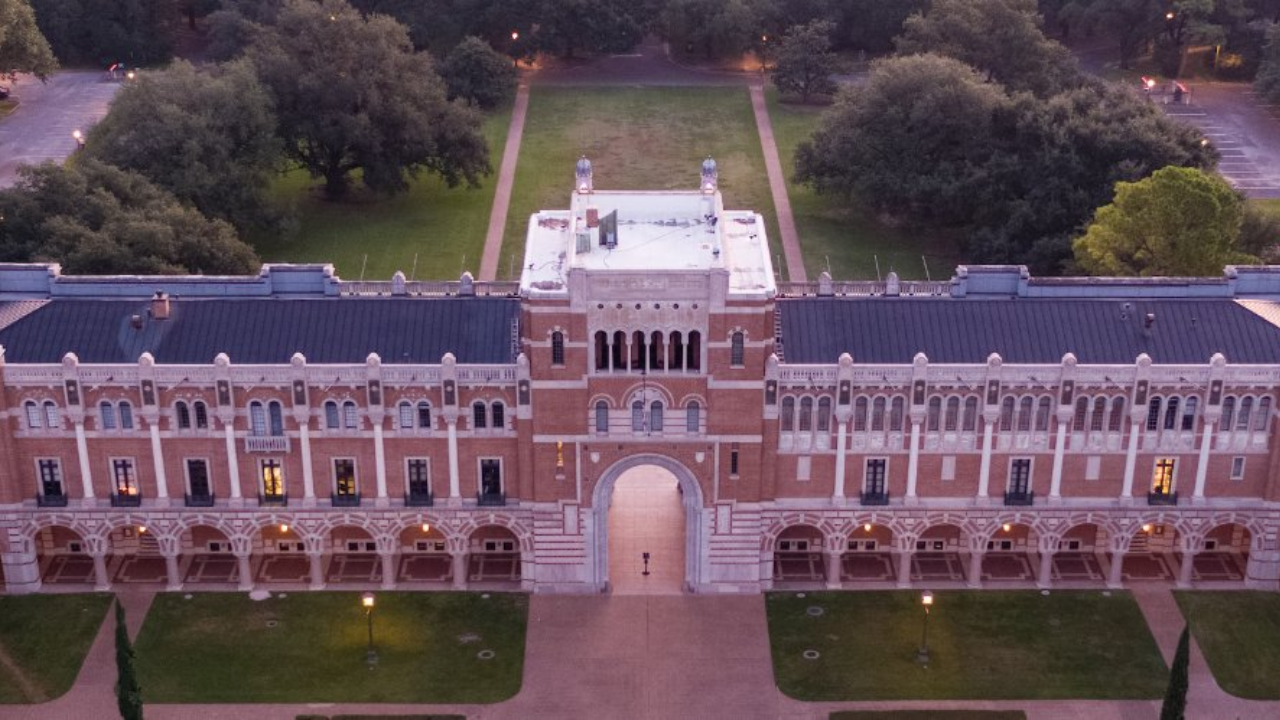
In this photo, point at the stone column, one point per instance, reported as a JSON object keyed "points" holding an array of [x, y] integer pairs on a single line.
{"points": [[1131, 458], [984, 470], [101, 581], [906, 548], [316, 559], [975, 566], [766, 571], [1202, 464], [1048, 546], [455, 485], [841, 446], [82, 452], [833, 570], [21, 566], [379, 462], [459, 560], [157, 457], [1262, 571], [1059, 448], [388, 559], [308, 469], [233, 461], [244, 563], [1187, 568], [171, 570], [913, 460], [1115, 577]]}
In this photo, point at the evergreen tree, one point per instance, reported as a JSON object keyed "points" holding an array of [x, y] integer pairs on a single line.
{"points": [[1175, 698], [128, 693]]}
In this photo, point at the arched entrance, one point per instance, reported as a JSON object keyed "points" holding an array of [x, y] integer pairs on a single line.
{"points": [[655, 487]]}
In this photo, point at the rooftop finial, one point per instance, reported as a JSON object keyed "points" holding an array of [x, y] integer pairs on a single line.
{"points": [[710, 175], [583, 175]]}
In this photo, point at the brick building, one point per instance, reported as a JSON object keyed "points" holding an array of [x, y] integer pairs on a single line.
{"points": [[295, 428]]}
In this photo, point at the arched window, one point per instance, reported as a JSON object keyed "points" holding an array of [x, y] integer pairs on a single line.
{"points": [[126, 416], [657, 351], [557, 348], [1026, 407], [1260, 420], [897, 410], [693, 417], [1097, 419], [637, 350], [34, 421], [1043, 410], [499, 416], [695, 350], [183, 414], [970, 423], [824, 414], [479, 415], [602, 416], [332, 418], [1006, 413], [202, 415], [51, 416], [350, 417], [877, 414], [677, 351], [737, 351], [1117, 415], [1228, 413], [860, 414], [951, 419], [405, 411], [107, 415], [424, 415], [258, 418], [1189, 413], [602, 351], [806, 414], [619, 350], [788, 413], [1171, 413], [1081, 416], [637, 416], [655, 416], [934, 414], [276, 414], [1153, 413], [1245, 414]]}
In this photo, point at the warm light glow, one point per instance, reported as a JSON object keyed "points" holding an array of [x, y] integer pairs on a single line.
{"points": [[1146, 528], [1006, 527], [764, 38], [1204, 142], [867, 527], [426, 527], [77, 134], [284, 528], [130, 75], [515, 35], [1168, 15], [926, 598], [367, 600], [142, 529]]}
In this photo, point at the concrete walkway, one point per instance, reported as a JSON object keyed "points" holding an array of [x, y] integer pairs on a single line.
{"points": [[40, 129], [502, 193], [778, 186]]}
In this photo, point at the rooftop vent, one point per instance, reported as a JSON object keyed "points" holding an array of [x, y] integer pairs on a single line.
{"points": [[1149, 321], [160, 305], [135, 322]]}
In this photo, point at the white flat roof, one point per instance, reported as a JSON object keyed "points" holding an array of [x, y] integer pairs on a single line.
{"points": [[657, 231]]}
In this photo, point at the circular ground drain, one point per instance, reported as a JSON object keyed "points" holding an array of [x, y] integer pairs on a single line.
{"points": [[1044, 592], [188, 596], [1054, 622], [282, 595], [1106, 593], [815, 611], [485, 654], [799, 595], [812, 654], [272, 623], [484, 596], [468, 638], [259, 594]]}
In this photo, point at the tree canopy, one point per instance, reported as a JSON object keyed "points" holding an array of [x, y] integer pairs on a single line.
{"points": [[22, 47], [351, 94], [476, 72], [805, 61], [206, 136], [101, 32], [1178, 222], [96, 219]]}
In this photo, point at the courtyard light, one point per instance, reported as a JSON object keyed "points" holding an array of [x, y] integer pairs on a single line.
{"points": [[922, 657], [371, 655], [79, 138], [284, 528]]}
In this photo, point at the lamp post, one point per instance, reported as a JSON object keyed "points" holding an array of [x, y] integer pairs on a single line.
{"points": [[79, 138], [764, 54], [371, 655], [922, 657], [515, 54]]}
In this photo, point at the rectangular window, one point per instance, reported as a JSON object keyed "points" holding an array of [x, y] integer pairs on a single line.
{"points": [[34, 420], [277, 419], [344, 477], [875, 475], [499, 416], [948, 468], [350, 418], [1237, 467], [126, 482], [737, 350], [126, 416], [424, 416], [198, 478], [693, 418], [1020, 475], [272, 479], [733, 460], [1092, 468], [490, 476], [50, 477], [1162, 479], [406, 416], [257, 419], [418, 475], [478, 416], [557, 348], [107, 416], [602, 417]]}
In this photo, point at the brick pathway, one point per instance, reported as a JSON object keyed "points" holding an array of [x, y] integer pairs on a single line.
{"points": [[778, 186], [502, 194]]}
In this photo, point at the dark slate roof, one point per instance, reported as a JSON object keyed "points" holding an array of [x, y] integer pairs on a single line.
{"points": [[269, 331], [1029, 331]]}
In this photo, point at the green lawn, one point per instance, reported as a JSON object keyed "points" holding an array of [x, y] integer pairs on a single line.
{"points": [[1239, 634], [929, 715], [985, 645], [443, 227], [47, 637], [1270, 206], [847, 239], [310, 647], [637, 139]]}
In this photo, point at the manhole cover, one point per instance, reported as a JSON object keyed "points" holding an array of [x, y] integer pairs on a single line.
{"points": [[799, 595], [272, 623], [1106, 593], [282, 595], [259, 595], [468, 638], [815, 611], [188, 596], [485, 654], [484, 596], [1044, 592], [812, 654]]}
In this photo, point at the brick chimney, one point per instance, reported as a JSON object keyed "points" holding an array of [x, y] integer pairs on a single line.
{"points": [[160, 306]]}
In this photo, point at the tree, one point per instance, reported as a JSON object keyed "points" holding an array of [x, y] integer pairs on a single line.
{"points": [[22, 48], [716, 28], [805, 61], [1179, 222], [1175, 697], [207, 136], [96, 219], [128, 693], [101, 32], [1267, 84], [351, 94], [1001, 38], [565, 26], [476, 72]]}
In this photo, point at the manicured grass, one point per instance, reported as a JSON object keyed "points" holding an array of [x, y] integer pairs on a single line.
{"points": [[849, 238], [443, 227], [929, 715], [310, 647], [985, 645], [1239, 634], [1270, 206], [47, 637], [637, 139]]}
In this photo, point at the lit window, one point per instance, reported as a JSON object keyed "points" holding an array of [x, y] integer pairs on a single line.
{"points": [[126, 483], [344, 477], [1162, 480], [272, 479]]}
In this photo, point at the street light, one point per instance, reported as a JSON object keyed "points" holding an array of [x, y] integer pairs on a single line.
{"points": [[515, 56], [371, 655], [79, 137], [922, 657]]}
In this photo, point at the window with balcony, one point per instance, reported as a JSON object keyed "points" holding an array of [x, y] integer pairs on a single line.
{"points": [[874, 488], [271, 477], [52, 493], [125, 492], [199, 489], [345, 489], [418, 479], [1019, 490], [491, 491]]}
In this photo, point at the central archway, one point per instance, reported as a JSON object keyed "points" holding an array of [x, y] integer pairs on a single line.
{"points": [[691, 499]]}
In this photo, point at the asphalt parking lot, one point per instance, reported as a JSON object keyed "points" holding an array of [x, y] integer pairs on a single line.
{"points": [[1244, 128], [40, 129]]}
